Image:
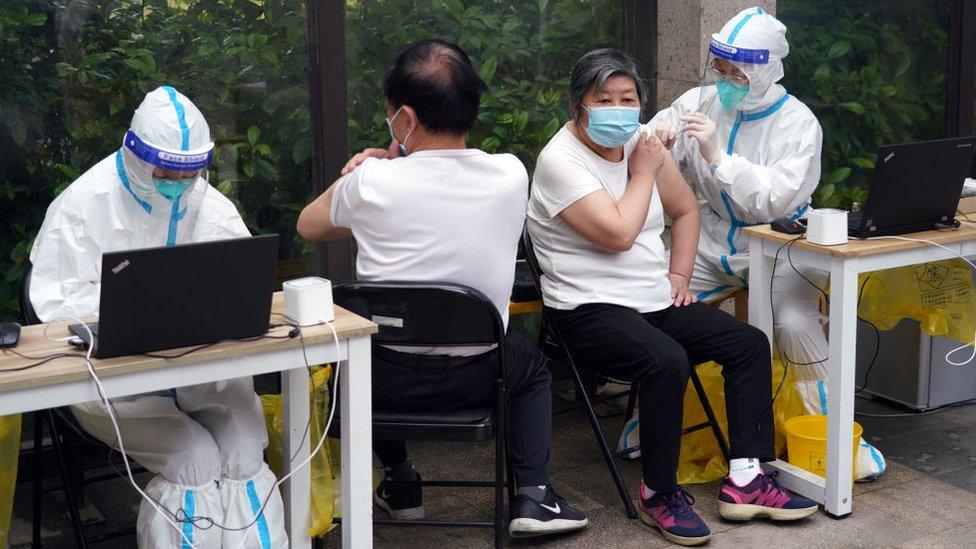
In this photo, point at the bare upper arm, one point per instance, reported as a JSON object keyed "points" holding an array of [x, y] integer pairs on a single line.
{"points": [[677, 197]]}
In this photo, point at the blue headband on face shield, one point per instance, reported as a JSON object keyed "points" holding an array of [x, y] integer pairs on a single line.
{"points": [[187, 161], [740, 55]]}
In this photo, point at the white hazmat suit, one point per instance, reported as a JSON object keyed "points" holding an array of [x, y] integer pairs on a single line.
{"points": [[205, 443], [768, 166]]}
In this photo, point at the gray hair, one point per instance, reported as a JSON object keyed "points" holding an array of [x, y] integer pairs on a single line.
{"points": [[593, 70]]}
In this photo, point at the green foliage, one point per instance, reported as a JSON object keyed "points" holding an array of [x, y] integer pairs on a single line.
{"points": [[75, 72], [524, 51], [873, 73]]}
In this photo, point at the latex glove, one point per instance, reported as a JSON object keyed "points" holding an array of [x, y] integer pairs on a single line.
{"points": [[702, 128], [667, 134]]}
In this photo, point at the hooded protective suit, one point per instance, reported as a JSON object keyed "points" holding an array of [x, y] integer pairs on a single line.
{"points": [[205, 443], [769, 148]]}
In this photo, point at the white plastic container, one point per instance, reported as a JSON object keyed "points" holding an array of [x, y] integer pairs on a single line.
{"points": [[308, 301], [827, 227]]}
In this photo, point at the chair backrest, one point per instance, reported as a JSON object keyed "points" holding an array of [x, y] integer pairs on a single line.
{"points": [[27, 313], [424, 314], [531, 260]]}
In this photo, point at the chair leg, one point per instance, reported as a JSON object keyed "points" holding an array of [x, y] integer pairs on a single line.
{"points": [[510, 483], [66, 480], [601, 439], [38, 455], [500, 433], [631, 401], [710, 414]]}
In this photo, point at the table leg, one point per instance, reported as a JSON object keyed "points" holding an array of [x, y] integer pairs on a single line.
{"points": [[357, 446], [840, 386], [760, 275], [297, 494]]}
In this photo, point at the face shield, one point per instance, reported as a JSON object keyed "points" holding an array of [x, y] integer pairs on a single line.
{"points": [[726, 73], [172, 188], [179, 161]]}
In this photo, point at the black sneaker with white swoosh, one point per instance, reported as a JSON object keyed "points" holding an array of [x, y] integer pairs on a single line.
{"points": [[552, 515], [401, 500]]}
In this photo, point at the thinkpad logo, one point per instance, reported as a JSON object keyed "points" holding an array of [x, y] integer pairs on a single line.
{"points": [[118, 268]]}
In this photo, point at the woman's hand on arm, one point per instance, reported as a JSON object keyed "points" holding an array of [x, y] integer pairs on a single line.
{"points": [[615, 225], [315, 221], [680, 204]]}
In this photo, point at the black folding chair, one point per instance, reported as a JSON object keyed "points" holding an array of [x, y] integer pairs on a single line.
{"points": [[554, 345], [66, 436], [412, 314]]}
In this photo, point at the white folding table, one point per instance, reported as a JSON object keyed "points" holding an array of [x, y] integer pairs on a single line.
{"points": [[67, 381], [844, 263]]}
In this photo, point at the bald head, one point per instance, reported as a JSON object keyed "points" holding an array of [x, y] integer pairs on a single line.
{"points": [[437, 80]]}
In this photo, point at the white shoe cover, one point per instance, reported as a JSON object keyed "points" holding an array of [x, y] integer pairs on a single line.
{"points": [[242, 500], [154, 531]]}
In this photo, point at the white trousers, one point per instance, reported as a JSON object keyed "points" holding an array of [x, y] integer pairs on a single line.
{"points": [[205, 443]]}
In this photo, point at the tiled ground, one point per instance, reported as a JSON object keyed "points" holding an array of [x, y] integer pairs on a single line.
{"points": [[926, 499]]}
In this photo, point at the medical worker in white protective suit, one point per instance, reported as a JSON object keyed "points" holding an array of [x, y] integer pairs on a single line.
{"points": [[205, 443], [752, 152]]}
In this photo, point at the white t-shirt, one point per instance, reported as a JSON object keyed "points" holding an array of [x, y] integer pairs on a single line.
{"points": [[437, 216], [578, 271]]}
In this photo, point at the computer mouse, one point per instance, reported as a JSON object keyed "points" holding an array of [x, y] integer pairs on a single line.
{"points": [[788, 226], [9, 334]]}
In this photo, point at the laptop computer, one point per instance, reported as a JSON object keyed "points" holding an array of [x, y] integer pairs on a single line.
{"points": [[162, 298], [915, 187]]}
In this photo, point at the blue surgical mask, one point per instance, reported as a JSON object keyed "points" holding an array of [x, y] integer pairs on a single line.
{"points": [[173, 189], [402, 144], [731, 94], [612, 126]]}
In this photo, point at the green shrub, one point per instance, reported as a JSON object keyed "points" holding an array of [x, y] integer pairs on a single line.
{"points": [[524, 51], [874, 73], [73, 73]]}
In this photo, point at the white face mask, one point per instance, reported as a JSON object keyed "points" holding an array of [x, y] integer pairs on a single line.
{"points": [[403, 143]]}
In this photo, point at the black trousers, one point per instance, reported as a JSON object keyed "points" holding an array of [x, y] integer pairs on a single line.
{"points": [[657, 350], [405, 382]]}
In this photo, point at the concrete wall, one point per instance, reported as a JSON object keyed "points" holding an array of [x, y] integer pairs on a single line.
{"points": [[684, 28]]}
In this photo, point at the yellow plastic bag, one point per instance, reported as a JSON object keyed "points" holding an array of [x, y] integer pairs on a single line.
{"points": [[939, 295], [326, 483], [701, 460], [9, 451]]}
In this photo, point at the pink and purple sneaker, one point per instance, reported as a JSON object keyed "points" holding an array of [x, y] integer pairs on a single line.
{"points": [[672, 514], [762, 497]]}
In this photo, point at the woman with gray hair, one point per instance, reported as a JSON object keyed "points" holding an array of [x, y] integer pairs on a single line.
{"points": [[600, 191]]}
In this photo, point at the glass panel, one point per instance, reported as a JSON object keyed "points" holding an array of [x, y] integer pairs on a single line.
{"points": [[874, 73], [525, 52], [74, 72]]}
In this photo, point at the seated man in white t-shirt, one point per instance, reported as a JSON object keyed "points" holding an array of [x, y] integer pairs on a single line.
{"points": [[599, 195], [430, 209]]}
